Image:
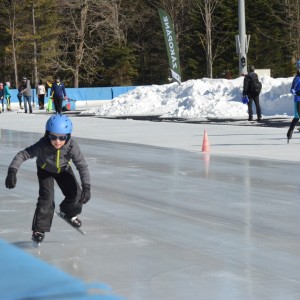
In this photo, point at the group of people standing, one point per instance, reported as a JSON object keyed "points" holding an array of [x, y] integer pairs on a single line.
{"points": [[24, 91], [57, 95]]}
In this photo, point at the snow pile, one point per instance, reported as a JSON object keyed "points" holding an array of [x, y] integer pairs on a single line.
{"points": [[203, 98]]}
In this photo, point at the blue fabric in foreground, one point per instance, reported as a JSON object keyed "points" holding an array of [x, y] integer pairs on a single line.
{"points": [[23, 276]]}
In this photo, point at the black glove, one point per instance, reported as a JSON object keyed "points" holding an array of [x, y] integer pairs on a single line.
{"points": [[11, 178], [86, 193]]}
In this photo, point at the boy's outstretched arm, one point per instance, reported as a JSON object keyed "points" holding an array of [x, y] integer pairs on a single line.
{"points": [[30, 152]]}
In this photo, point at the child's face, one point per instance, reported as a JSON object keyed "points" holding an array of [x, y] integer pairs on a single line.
{"points": [[57, 140]]}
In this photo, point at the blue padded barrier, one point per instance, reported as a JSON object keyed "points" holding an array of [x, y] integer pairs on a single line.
{"points": [[119, 90], [104, 93], [83, 94], [23, 276]]}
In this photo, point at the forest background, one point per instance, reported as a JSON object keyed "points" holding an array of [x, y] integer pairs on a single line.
{"points": [[91, 43]]}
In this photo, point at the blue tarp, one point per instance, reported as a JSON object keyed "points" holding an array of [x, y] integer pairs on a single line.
{"points": [[90, 93], [23, 276], [84, 94], [119, 90]]}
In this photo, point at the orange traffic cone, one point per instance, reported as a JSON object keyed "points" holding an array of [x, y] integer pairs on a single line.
{"points": [[205, 145], [206, 159]]}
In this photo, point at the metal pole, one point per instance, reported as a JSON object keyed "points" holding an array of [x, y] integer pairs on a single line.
{"points": [[242, 40]]}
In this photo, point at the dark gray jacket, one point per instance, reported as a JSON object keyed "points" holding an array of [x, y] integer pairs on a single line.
{"points": [[26, 88], [252, 76], [53, 160]]}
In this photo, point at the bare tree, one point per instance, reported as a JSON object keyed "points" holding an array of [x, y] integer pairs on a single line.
{"points": [[210, 41], [178, 11], [9, 10], [35, 66], [87, 29], [287, 12], [91, 27]]}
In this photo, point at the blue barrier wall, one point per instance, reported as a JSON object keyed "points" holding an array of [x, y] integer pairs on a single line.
{"points": [[85, 94], [119, 90], [26, 277]]}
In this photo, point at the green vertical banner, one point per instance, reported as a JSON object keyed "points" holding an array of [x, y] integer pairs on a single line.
{"points": [[172, 48]]}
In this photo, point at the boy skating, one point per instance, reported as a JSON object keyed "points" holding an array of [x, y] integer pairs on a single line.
{"points": [[54, 152]]}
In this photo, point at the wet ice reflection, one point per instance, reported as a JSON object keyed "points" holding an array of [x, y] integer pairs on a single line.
{"points": [[169, 224]]}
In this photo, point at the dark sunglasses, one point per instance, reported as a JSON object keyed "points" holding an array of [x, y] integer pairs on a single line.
{"points": [[53, 137]]}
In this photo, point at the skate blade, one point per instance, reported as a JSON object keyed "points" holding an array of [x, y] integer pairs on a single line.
{"points": [[80, 230], [36, 244]]}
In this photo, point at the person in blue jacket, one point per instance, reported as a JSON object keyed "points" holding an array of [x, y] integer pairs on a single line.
{"points": [[58, 94], [295, 90]]}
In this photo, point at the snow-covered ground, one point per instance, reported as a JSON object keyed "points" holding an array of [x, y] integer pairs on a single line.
{"points": [[202, 98]]}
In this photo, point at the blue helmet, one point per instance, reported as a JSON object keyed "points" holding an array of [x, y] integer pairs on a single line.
{"points": [[298, 64], [59, 124]]}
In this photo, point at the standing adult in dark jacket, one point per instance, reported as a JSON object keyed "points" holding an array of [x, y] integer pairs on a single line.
{"points": [[26, 92], [58, 93], [295, 90], [253, 97]]}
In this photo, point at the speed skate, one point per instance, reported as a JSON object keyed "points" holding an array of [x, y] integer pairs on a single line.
{"points": [[37, 238], [69, 221]]}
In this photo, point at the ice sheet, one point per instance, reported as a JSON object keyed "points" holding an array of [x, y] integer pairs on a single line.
{"points": [[169, 224]]}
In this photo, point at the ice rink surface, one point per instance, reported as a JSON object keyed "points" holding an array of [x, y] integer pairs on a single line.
{"points": [[167, 221]]}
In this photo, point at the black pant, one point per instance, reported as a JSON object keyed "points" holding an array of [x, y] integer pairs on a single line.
{"points": [[20, 100], [296, 117], [58, 104], [254, 99], [41, 100], [44, 211]]}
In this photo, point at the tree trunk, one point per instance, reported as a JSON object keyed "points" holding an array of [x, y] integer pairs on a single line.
{"points": [[12, 28], [76, 77], [209, 57], [80, 47], [34, 49]]}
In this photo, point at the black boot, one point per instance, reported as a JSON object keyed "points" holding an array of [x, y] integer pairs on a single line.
{"points": [[290, 134], [291, 129], [74, 221], [38, 237]]}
